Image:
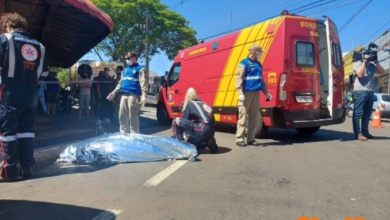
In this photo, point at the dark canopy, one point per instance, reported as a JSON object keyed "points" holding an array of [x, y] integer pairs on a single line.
{"points": [[67, 28]]}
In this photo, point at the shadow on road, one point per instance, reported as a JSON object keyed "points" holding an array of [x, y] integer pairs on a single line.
{"points": [[23, 209], [221, 150], [51, 169], [289, 137], [282, 137]]}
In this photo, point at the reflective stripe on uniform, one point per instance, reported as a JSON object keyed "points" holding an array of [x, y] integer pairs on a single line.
{"points": [[25, 135], [252, 77], [11, 55], [40, 67], [130, 78], [8, 138], [200, 112]]}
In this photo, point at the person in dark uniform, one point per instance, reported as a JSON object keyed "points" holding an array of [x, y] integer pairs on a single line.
{"points": [[22, 62], [197, 121], [106, 85]]}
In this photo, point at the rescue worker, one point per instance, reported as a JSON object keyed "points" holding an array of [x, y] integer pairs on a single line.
{"points": [[22, 62], [249, 82], [133, 88], [197, 121]]}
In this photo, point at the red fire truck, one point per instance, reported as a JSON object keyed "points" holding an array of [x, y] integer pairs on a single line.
{"points": [[302, 66]]}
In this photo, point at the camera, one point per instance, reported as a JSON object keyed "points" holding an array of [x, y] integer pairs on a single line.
{"points": [[371, 50]]}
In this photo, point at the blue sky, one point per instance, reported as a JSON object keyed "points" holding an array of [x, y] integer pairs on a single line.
{"points": [[359, 21]]}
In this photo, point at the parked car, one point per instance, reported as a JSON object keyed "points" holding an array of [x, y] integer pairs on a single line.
{"points": [[381, 99], [151, 99]]}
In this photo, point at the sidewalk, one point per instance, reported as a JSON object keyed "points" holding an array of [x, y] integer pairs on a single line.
{"points": [[54, 132]]}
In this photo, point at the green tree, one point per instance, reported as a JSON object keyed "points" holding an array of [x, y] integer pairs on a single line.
{"points": [[167, 30], [62, 75]]}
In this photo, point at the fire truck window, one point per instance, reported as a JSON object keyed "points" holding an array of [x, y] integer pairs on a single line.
{"points": [[305, 53], [336, 55], [174, 75]]}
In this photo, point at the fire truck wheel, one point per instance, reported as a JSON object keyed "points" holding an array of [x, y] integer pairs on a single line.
{"points": [[162, 116], [307, 131]]}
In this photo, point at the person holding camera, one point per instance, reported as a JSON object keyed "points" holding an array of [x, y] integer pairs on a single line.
{"points": [[363, 93]]}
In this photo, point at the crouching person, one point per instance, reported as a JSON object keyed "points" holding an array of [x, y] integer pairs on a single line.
{"points": [[198, 122]]}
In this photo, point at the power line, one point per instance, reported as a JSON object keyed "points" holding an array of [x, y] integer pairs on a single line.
{"points": [[180, 3], [302, 8], [355, 14], [335, 6], [378, 20], [376, 32]]}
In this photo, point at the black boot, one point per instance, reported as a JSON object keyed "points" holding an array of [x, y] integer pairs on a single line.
{"points": [[27, 172], [212, 145]]}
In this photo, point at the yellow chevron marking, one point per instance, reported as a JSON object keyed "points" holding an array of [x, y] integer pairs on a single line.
{"points": [[217, 117], [262, 38], [227, 76]]}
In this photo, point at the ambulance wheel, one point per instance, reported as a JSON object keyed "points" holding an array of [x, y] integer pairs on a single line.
{"points": [[307, 131], [162, 116]]}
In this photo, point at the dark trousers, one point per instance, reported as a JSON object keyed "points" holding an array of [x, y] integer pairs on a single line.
{"points": [[363, 101], [17, 120], [106, 109], [198, 132]]}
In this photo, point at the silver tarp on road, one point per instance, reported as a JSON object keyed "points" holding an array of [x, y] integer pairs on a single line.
{"points": [[122, 148]]}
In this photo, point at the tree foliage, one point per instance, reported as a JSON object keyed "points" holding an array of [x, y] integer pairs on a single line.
{"points": [[62, 75], [168, 31]]}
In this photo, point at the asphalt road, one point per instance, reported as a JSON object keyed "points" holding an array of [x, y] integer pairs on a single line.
{"points": [[328, 175]]}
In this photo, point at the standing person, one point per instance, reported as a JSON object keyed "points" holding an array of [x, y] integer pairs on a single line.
{"points": [[23, 62], [41, 95], [117, 100], [106, 85], [249, 81], [197, 121], [133, 88], [95, 91], [363, 95], [52, 91], [85, 85]]}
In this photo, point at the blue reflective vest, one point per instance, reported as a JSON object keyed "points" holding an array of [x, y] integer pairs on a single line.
{"points": [[130, 81], [252, 80]]}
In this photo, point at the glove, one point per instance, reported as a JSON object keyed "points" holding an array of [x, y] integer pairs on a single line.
{"points": [[177, 121], [241, 98], [143, 101], [111, 96], [269, 97]]}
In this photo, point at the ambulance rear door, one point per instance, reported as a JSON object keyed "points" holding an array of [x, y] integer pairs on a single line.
{"points": [[333, 73]]}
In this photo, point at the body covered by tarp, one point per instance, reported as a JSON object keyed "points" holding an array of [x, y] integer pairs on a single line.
{"points": [[124, 148]]}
